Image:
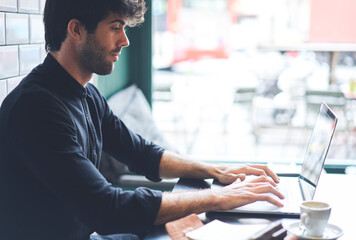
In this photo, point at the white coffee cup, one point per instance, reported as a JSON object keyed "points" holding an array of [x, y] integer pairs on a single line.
{"points": [[314, 217]]}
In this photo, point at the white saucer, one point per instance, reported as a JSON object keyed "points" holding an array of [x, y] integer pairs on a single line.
{"points": [[331, 232]]}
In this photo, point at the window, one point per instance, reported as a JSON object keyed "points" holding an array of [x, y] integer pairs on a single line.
{"points": [[233, 79]]}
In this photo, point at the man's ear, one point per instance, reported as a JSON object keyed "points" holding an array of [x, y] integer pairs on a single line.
{"points": [[76, 30]]}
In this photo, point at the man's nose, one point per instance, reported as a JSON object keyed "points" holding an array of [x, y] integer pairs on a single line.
{"points": [[124, 40]]}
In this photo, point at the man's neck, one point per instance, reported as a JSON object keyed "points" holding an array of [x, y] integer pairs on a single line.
{"points": [[71, 64]]}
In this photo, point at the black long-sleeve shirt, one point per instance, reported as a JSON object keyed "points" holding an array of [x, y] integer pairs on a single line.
{"points": [[52, 133]]}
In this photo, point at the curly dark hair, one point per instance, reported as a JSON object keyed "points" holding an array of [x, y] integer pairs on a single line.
{"points": [[58, 13]]}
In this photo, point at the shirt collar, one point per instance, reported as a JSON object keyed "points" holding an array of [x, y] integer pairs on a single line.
{"points": [[61, 78]]}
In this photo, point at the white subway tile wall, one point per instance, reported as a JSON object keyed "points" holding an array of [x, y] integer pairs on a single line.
{"points": [[30, 56], [2, 28], [21, 41], [17, 28], [43, 52], [42, 4], [36, 29], [9, 61], [32, 6], [3, 90], [13, 82], [8, 5]]}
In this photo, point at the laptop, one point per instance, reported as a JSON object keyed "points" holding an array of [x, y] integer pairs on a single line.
{"points": [[298, 187]]}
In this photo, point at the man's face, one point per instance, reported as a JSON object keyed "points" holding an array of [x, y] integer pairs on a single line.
{"points": [[100, 50]]}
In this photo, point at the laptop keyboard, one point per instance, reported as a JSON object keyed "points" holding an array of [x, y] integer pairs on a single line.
{"points": [[286, 190]]}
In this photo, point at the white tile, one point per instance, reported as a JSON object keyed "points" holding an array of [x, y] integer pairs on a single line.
{"points": [[42, 5], [9, 64], [30, 57], [36, 29], [3, 90], [29, 6], [17, 28], [2, 28], [13, 82], [8, 5], [43, 52]]}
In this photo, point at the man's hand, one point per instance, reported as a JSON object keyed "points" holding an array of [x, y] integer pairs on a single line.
{"points": [[241, 193], [228, 174], [175, 166]]}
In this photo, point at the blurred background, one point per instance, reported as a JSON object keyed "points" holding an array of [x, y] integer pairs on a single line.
{"points": [[242, 80], [221, 80]]}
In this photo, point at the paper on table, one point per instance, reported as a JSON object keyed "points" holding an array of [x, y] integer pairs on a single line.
{"points": [[224, 231]]}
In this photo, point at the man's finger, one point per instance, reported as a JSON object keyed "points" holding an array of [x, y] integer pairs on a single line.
{"points": [[250, 170], [269, 198], [264, 187], [267, 171], [262, 179], [241, 176]]}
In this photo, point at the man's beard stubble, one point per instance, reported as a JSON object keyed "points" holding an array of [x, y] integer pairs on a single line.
{"points": [[93, 57]]}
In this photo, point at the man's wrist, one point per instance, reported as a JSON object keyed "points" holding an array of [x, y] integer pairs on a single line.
{"points": [[215, 171]]}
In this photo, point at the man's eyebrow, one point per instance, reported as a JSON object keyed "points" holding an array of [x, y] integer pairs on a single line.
{"points": [[119, 21]]}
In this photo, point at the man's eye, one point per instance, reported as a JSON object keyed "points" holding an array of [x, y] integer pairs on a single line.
{"points": [[116, 29]]}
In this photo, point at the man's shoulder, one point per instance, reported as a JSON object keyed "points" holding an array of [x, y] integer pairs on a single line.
{"points": [[29, 97], [32, 90]]}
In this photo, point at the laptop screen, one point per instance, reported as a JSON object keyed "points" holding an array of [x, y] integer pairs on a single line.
{"points": [[317, 150]]}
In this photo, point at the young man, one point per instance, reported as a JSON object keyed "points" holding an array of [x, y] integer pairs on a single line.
{"points": [[55, 125]]}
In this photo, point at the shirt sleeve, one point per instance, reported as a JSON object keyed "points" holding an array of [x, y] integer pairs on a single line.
{"points": [[46, 135], [141, 156]]}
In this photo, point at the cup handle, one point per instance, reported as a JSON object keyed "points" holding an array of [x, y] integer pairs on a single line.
{"points": [[304, 220]]}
